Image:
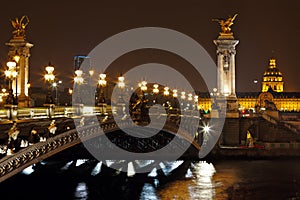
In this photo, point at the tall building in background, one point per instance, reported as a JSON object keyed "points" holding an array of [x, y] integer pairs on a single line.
{"points": [[81, 59]]}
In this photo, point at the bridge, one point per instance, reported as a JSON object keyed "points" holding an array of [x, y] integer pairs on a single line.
{"points": [[35, 143]]}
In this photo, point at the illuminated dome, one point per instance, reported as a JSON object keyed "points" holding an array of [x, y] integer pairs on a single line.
{"points": [[272, 78]]}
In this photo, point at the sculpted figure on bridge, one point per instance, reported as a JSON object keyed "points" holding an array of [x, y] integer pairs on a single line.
{"points": [[14, 142], [19, 25], [226, 24], [52, 128]]}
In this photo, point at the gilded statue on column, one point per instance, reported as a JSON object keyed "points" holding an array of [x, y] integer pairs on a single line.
{"points": [[226, 26], [19, 25]]}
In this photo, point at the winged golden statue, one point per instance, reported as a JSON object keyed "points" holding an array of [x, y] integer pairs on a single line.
{"points": [[226, 24], [19, 25]]}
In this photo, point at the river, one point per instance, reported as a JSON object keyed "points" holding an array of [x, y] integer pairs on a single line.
{"points": [[219, 179]]}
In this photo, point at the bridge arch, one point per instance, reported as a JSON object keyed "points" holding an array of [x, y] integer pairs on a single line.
{"points": [[11, 165]]}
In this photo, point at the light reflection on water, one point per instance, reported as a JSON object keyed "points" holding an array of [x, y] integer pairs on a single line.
{"points": [[198, 184], [204, 188], [224, 179]]}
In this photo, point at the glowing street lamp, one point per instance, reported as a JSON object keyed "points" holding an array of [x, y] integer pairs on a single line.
{"points": [[155, 89], [79, 80], [143, 86], [206, 128], [166, 91], [175, 94], [121, 102], [91, 72], [70, 91], [182, 95], [55, 85], [190, 97], [121, 83], [49, 78], [11, 74], [102, 83]]}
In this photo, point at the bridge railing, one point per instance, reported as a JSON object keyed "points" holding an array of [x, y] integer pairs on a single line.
{"points": [[45, 112]]}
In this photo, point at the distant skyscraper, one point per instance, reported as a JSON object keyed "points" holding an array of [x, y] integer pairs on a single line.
{"points": [[78, 61]]}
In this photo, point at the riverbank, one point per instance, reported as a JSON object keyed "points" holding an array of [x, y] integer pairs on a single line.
{"points": [[253, 153]]}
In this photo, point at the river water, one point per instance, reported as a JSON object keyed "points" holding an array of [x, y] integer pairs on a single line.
{"points": [[220, 179]]}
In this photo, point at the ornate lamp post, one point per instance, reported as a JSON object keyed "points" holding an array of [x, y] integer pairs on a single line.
{"points": [[101, 98], [155, 89], [78, 80], [121, 86], [190, 101], [55, 86], [49, 78], [70, 91], [215, 106], [155, 92], [102, 83], [166, 93], [16, 58], [144, 111], [175, 94], [10, 100], [121, 102], [196, 98], [143, 86], [11, 73]]}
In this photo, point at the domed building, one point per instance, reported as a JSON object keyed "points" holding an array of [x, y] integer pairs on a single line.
{"points": [[272, 78], [272, 93]]}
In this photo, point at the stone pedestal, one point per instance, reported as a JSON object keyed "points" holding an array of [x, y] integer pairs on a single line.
{"points": [[12, 112], [103, 107], [50, 110], [78, 109]]}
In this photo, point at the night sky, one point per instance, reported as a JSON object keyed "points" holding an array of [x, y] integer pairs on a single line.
{"points": [[62, 29]]}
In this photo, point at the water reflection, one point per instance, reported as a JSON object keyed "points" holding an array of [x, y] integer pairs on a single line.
{"points": [[148, 192], [197, 184], [227, 179], [81, 191], [204, 188]]}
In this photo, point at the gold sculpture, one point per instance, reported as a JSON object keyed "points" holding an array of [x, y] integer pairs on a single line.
{"points": [[225, 26], [19, 25]]}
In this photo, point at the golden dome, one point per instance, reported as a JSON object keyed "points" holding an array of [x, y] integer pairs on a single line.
{"points": [[272, 70]]}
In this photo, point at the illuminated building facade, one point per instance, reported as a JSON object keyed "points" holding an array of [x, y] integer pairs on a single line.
{"points": [[272, 90], [272, 78]]}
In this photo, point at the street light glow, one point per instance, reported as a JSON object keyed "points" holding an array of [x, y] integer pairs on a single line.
{"points": [[121, 83], [102, 81], [155, 89], [206, 128], [166, 91]]}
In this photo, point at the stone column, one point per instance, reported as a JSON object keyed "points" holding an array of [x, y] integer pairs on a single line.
{"points": [[226, 66], [226, 71], [21, 47]]}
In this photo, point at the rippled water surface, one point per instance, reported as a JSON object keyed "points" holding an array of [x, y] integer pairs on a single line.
{"points": [[226, 179]]}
